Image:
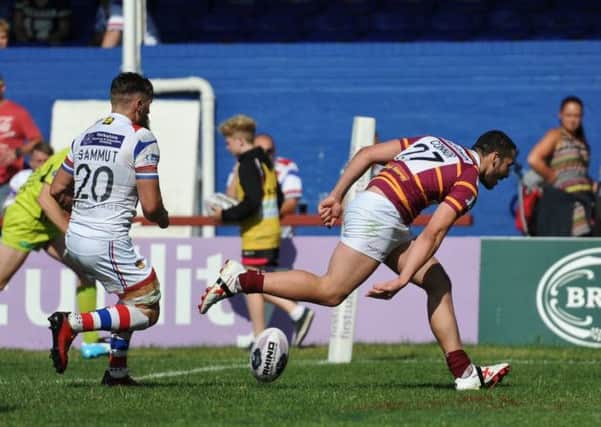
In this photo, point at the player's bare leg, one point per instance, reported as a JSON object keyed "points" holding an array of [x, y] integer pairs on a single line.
{"points": [[11, 260], [136, 310], [443, 322], [256, 312], [346, 271]]}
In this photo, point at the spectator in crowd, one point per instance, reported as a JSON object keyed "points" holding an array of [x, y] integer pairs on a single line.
{"points": [[4, 32], [40, 153], [18, 135], [258, 213], [562, 159], [114, 27], [42, 21], [288, 177]]}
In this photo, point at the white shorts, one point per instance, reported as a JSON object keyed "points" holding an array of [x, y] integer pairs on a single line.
{"points": [[373, 226], [114, 263]]}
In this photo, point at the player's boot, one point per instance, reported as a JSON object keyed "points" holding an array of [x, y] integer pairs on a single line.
{"points": [[92, 350], [62, 337], [483, 377], [302, 325], [225, 286], [111, 381]]}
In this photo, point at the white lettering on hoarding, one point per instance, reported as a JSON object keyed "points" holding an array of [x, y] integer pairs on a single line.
{"points": [[216, 315], [33, 292], [183, 296], [157, 260], [3, 314], [568, 301], [575, 297]]}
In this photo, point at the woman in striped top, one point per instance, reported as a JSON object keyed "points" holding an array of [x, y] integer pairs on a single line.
{"points": [[562, 159]]}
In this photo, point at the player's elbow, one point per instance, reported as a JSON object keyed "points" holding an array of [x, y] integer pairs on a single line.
{"points": [[55, 192], [533, 160], [152, 212]]}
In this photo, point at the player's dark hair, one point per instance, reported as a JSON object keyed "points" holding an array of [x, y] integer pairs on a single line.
{"points": [[126, 84], [495, 140], [580, 131]]}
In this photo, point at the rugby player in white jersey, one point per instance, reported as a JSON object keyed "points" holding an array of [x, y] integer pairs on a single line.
{"points": [[111, 166]]}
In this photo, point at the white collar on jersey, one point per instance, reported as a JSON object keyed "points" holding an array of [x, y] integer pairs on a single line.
{"points": [[476, 156], [120, 116]]}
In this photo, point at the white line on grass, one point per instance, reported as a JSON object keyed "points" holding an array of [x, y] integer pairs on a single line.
{"points": [[168, 374], [218, 368]]}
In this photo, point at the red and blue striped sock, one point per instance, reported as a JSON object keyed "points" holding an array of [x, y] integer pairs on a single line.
{"points": [[118, 355], [118, 318]]}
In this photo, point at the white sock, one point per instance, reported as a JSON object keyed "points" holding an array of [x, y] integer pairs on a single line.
{"points": [[297, 312]]}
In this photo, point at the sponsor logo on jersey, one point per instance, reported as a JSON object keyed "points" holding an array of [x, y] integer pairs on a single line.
{"points": [[568, 298], [103, 139]]}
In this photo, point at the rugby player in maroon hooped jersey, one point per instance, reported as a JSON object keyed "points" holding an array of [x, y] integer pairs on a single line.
{"points": [[417, 172]]}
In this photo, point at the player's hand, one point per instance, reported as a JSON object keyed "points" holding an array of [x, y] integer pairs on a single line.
{"points": [[329, 209], [386, 290], [163, 221], [216, 213]]}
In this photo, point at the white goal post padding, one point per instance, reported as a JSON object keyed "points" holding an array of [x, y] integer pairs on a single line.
{"points": [[176, 125], [342, 330]]}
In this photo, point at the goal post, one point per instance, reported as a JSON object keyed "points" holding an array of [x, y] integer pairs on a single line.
{"points": [[342, 330]]}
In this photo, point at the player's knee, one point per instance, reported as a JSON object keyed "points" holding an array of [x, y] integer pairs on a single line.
{"points": [[436, 280], [153, 314], [332, 297]]}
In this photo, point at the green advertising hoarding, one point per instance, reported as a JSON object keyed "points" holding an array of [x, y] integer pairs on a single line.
{"points": [[540, 291]]}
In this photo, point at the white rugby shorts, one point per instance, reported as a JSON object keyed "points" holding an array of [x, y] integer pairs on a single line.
{"points": [[373, 226], [114, 263]]}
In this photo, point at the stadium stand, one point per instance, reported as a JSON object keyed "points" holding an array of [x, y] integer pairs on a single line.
{"points": [[234, 21]]}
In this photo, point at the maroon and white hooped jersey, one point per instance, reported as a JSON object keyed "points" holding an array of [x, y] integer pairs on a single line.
{"points": [[106, 161], [429, 170]]}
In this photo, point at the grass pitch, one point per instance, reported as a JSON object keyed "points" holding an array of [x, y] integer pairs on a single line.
{"points": [[384, 385]]}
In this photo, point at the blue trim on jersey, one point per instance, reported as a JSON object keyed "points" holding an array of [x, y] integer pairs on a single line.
{"points": [[293, 173], [141, 145], [105, 319], [147, 176], [67, 169]]}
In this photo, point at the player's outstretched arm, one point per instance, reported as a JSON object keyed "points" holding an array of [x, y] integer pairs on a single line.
{"points": [[61, 189], [52, 209], [424, 248], [151, 200], [361, 161]]}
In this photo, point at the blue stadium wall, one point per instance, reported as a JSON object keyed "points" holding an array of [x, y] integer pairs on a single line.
{"points": [[306, 95]]}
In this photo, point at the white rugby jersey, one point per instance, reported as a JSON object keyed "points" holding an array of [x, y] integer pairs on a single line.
{"points": [[288, 177], [105, 161]]}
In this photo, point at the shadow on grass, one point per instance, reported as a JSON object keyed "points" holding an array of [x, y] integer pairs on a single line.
{"points": [[7, 408]]}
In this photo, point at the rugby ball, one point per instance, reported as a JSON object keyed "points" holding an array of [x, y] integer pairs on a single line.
{"points": [[218, 200], [269, 355]]}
